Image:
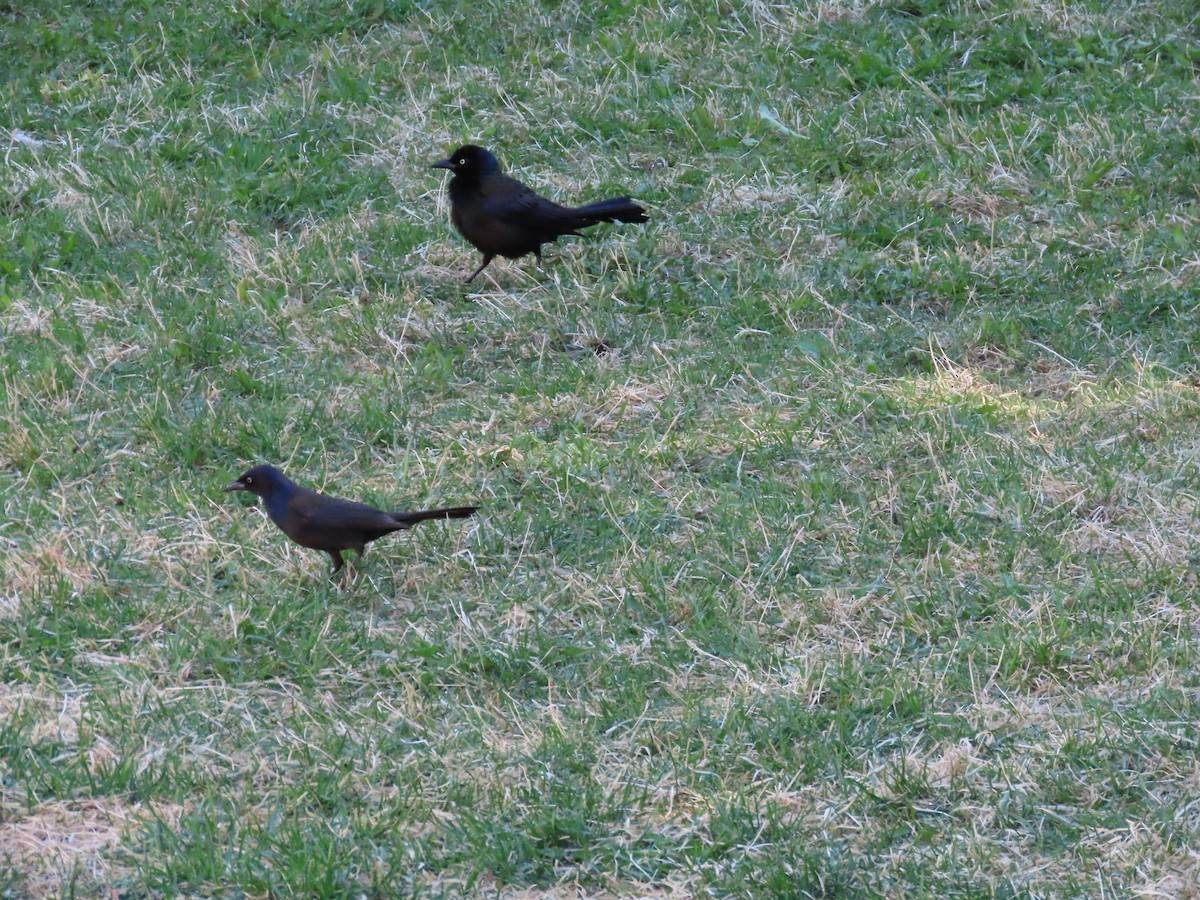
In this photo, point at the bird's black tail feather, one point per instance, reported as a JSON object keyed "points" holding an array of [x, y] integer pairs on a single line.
{"points": [[449, 512], [618, 209]]}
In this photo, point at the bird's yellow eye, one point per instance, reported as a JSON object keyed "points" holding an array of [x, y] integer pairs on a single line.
{"points": [[463, 161], [249, 481]]}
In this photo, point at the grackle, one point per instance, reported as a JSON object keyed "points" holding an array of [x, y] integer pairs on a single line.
{"points": [[326, 523], [502, 216]]}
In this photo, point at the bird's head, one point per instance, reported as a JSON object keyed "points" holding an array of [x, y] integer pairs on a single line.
{"points": [[469, 160], [261, 480]]}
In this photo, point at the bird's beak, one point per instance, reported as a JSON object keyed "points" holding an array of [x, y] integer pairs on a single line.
{"points": [[443, 164], [234, 486]]}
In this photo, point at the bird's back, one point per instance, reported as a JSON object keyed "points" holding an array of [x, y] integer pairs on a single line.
{"points": [[323, 522]]}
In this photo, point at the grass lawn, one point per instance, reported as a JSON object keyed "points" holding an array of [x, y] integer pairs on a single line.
{"points": [[838, 525]]}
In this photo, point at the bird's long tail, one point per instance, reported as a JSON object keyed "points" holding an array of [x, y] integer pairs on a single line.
{"points": [[618, 209], [450, 512]]}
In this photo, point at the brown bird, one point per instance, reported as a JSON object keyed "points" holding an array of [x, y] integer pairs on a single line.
{"points": [[503, 217], [326, 523]]}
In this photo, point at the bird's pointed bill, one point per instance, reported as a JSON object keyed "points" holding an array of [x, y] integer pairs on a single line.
{"points": [[442, 164], [234, 486]]}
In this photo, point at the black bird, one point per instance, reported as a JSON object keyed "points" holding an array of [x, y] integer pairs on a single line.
{"points": [[502, 216], [325, 523]]}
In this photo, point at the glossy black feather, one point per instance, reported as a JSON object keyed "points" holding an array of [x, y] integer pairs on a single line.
{"points": [[503, 217], [321, 522]]}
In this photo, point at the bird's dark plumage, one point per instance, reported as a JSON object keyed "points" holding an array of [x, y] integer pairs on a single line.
{"points": [[503, 217], [326, 523]]}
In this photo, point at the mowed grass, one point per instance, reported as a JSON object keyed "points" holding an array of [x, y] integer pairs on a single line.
{"points": [[837, 529]]}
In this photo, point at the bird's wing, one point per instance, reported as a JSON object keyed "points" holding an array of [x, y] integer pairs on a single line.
{"points": [[316, 520], [332, 512], [511, 201]]}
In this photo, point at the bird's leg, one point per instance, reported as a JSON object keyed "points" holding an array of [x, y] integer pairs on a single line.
{"points": [[537, 255], [487, 258], [336, 556], [352, 568]]}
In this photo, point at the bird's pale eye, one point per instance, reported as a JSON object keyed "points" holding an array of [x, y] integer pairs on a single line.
{"points": [[249, 481], [463, 161]]}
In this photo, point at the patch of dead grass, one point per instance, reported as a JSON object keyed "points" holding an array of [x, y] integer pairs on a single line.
{"points": [[61, 841]]}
